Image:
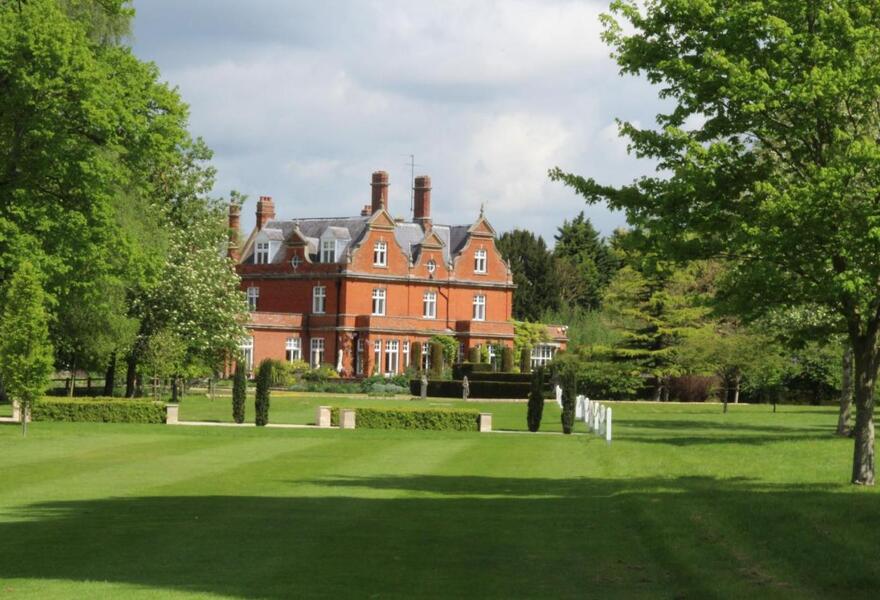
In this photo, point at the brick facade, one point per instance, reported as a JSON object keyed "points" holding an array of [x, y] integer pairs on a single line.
{"points": [[351, 260]]}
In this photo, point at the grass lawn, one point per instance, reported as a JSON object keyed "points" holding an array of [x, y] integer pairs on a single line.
{"points": [[686, 503]]}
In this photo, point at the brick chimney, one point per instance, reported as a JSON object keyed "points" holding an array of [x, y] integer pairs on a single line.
{"points": [[232, 250], [380, 191], [367, 210], [422, 201], [265, 211]]}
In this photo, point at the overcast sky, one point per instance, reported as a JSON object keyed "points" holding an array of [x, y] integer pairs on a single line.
{"points": [[303, 100]]}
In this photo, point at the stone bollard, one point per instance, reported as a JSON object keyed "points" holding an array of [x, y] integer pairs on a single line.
{"points": [[172, 412], [485, 422], [322, 418], [346, 418], [465, 388]]}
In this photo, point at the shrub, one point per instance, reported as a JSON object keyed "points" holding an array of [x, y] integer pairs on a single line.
{"points": [[322, 373], [264, 382], [386, 389], [450, 347], [568, 382], [436, 360], [415, 357], [525, 360], [693, 388], [437, 419], [506, 359], [492, 376], [99, 410], [474, 355], [285, 373], [536, 400], [478, 389], [467, 369], [239, 392]]}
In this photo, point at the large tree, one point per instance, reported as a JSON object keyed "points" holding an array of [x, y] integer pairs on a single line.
{"points": [[585, 263], [769, 156], [533, 273]]}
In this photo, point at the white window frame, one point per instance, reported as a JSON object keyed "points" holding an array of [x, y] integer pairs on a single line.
{"points": [[293, 349], [328, 251], [253, 296], [319, 299], [261, 254], [479, 307], [426, 355], [317, 352], [480, 259], [380, 254], [392, 357], [247, 350], [542, 354], [405, 355], [429, 305], [377, 356], [379, 297]]}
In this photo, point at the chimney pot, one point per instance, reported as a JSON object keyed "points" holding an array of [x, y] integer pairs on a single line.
{"points": [[422, 201], [232, 250], [379, 185], [265, 211]]}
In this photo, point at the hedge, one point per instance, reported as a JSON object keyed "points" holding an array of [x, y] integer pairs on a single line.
{"points": [[478, 389], [460, 370], [437, 419], [100, 410], [508, 377]]}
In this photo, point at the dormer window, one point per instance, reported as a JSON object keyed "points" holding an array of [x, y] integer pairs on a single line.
{"points": [[253, 293], [380, 254], [480, 261], [328, 251], [261, 256]]}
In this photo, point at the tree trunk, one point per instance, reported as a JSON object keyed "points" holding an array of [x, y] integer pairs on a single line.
{"points": [[846, 394], [110, 376], [726, 394], [70, 389], [737, 381], [130, 376], [25, 413], [174, 391], [665, 389], [865, 378], [658, 389]]}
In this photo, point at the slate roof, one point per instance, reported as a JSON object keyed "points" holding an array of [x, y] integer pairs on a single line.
{"points": [[407, 234]]}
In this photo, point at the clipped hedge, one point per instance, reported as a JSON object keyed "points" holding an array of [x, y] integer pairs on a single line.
{"points": [[508, 377], [478, 389], [434, 419], [99, 410], [461, 370]]}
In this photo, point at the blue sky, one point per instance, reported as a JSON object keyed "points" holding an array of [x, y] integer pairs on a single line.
{"points": [[302, 101]]}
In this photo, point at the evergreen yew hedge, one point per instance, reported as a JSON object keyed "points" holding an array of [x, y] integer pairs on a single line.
{"points": [[478, 389], [99, 410], [435, 419]]}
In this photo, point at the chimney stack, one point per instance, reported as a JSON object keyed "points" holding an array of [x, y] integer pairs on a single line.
{"points": [[232, 250], [265, 211], [380, 191], [367, 210], [422, 201]]}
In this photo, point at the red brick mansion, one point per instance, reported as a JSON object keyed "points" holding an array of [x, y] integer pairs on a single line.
{"points": [[356, 292]]}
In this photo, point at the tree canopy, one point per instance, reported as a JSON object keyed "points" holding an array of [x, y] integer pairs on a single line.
{"points": [[769, 157]]}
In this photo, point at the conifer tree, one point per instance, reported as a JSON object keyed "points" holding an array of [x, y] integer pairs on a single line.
{"points": [[239, 392], [536, 400], [261, 402]]}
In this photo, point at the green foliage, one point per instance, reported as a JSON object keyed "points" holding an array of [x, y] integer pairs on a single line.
{"points": [[586, 327], [474, 355], [264, 382], [585, 264], [164, 355], [568, 382], [450, 347], [528, 335], [321, 374], [534, 273], [478, 389], [25, 349], [506, 359], [437, 356], [239, 392], [101, 410], [536, 400], [415, 357], [599, 374], [525, 359], [435, 419], [468, 369]]}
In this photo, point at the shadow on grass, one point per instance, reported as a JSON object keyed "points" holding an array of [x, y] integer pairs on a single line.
{"points": [[441, 536]]}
